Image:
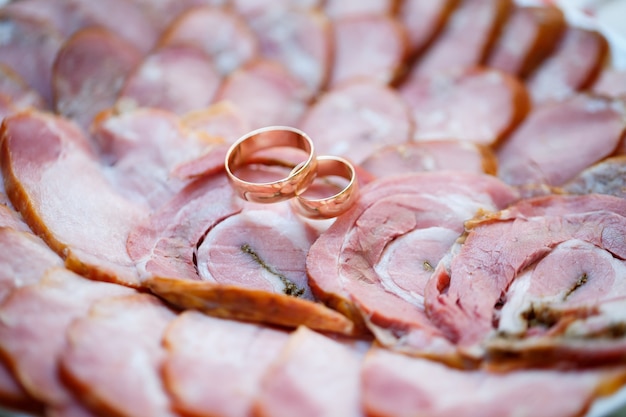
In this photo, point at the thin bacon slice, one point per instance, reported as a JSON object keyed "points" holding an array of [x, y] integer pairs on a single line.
{"points": [[479, 105], [214, 366], [89, 72], [112, 360], [81, 217]]}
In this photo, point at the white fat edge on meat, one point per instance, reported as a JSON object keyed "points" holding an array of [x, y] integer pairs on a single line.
{"points": [[382, 267], [518, 301], [280, 225]]}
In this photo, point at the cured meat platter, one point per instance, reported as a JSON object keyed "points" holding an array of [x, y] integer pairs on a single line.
{"points": [[431, 222]]}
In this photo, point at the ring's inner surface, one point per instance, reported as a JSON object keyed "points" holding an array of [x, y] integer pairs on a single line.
{"points": [[333, 178]]}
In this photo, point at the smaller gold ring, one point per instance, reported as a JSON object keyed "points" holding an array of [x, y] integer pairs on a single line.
{"points": [[337, 204], [298, 180]]}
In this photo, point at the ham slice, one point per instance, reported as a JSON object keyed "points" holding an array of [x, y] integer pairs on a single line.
{"points": [[89, 72], [397, 385], [174, 78], [479, 105], [337, 9], [433, 155], [81, 217], [514, 296], [214, 366], [15, 94], [574, 66], [372, 47], [112, 359], [605, 177], [13, 395], [310, 359], [220, 32], [374, 262], [424, 20], [466, 39], [266, 94], [552, 146], [529, 36], [33, 322], [357, 119], [611, 82]]}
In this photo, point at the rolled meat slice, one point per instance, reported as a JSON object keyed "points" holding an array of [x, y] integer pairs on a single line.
{"points": [[266, 94], [220, 32], [357, 119], [300, 39], [530, 35], [179, 79], [553, 143], [397, 386], [466, 39], [310, 359], [89, 72], [433, 155], [573, 66], [424, 20], [214, 366], [55, 181], [374, 262], [112, 359], [479, 105], [605, 177], [548, 289], [371, 47], [34, 320]]}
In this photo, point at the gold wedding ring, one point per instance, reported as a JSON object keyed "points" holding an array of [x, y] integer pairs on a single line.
{"points": [[241, 153], [337, 204]]}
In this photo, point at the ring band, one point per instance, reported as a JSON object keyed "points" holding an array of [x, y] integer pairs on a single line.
{"points": [[295, 183], [337, 204]]}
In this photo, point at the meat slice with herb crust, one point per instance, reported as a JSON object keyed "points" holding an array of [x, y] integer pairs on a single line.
{"points": [[374, 262], [543, 282]]}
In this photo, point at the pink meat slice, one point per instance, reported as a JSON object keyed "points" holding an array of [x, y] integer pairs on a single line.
{"points": [[300, 39], [478, 105], [357, 119], [112, 360], [174, 78], [15, 94], [214, 366], [372, 47], [310, 359], [13, 395], [142, 148], [260, 250], [221, 122], [29, 49], [611, 82], [433, 155], [81, 216], [401, 227], [337, 9], [162, 13], [552, 144], [266, 94], [89, 72], [220, 32], [251, 8], [529, 36], [573, 66], [424, 20], [505, 259], [466, 39], [397, 385], [605, 177], [33, 323], [9, 218]]}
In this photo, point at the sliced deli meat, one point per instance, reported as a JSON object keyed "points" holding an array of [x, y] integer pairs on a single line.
{"points": [[605, 177], [112, 359], [89, 72], [397, 386], [80, 216], [611, 82], [479, 105], [175, 78], [424, 20], [559, 140], [15, 94], [374, 262], [215, 366], [310, 359], [549, 287], [220, 32], [341, 8], [357, 119]]}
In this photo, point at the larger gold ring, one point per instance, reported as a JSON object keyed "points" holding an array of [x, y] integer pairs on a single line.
{"points": [[298, 180], [337, 204]]}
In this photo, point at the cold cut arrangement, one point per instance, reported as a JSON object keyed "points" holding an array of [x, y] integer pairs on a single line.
{"points": [[479, 271]]}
